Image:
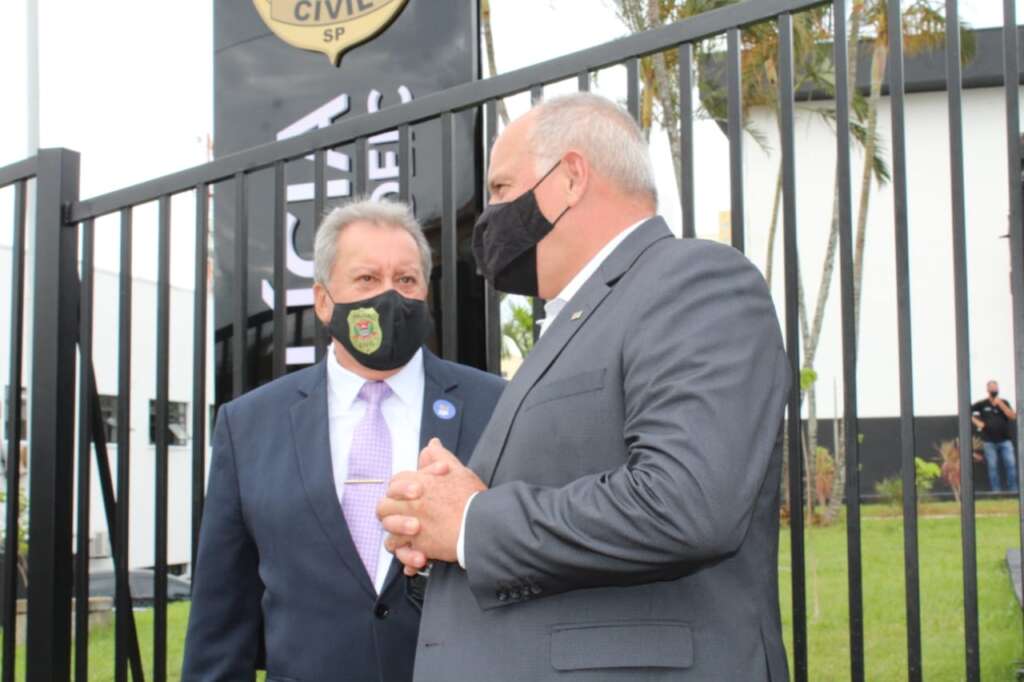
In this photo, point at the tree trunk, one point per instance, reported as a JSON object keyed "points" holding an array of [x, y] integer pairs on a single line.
{"points": [[878, 61], [827, 271], [825, 287], [669, 112], [811, 505], [773, 229], [835, 501]]}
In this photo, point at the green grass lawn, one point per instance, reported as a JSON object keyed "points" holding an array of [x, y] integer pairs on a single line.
{"points": [[884, 607], [828, 634]]}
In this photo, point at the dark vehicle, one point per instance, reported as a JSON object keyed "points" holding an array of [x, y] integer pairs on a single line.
{"points": [[140, 580], [101, 584]]}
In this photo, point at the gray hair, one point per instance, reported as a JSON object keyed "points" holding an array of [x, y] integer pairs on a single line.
{"points": [[603, 132], [384, 212]]}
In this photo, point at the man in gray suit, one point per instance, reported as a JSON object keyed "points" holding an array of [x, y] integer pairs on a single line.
{"points": [[619, 516]]}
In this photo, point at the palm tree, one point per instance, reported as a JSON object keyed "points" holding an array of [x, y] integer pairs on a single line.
{"points": [[760, 47], [924, 30], [519, 327]]}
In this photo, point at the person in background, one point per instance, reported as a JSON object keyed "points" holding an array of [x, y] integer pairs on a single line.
{"points": [[992, 417]]}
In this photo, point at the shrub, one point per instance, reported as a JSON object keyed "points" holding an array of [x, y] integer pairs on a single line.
{"points": [[891, 489]]}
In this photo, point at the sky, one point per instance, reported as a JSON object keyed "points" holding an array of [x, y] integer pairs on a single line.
{"points": [[128, 84]]}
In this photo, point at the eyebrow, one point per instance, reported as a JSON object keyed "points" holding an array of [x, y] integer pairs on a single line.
{"points": [[497, 178]]}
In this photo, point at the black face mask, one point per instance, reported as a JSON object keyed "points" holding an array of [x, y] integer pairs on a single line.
{"points": [[505, 240], [993, 394], [382, 332]]}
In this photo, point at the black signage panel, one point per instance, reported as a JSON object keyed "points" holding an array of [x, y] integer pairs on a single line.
{"points": [[266, 90]]}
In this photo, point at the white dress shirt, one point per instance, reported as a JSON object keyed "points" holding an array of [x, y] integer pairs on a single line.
{"points": [[403, 412], [551, 310]]}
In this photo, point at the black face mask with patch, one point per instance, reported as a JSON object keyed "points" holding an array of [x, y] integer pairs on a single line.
{"points": [[383, 332], [505, 240]]}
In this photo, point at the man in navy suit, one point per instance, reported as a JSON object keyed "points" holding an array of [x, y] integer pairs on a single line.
{"points": [[291, 562]]}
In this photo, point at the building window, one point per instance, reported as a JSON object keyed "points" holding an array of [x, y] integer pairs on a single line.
{"points": [[177, 423], [108, 410], [23, 427]]}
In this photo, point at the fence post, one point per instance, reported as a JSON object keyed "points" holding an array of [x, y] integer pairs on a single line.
{"points": [[51, 435]]}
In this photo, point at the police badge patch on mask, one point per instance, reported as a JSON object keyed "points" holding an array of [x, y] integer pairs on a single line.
{"points": [[383, 332]]}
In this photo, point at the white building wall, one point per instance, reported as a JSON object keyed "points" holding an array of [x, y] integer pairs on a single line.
{"points": [[930, 216]]}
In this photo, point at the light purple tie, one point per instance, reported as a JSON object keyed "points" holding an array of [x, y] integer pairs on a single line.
{"points": [[369, 459]]}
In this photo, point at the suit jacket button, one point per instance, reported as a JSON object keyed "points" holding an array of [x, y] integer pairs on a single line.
{"points": [[382, 611]]}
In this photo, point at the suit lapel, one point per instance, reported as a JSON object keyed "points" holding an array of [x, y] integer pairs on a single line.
{"points": [[573, 317], [311, 434], [440, 397], [439, 385]]}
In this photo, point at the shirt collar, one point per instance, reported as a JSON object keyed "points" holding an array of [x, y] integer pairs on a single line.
{"points": [[345, 384], [555, 305]]}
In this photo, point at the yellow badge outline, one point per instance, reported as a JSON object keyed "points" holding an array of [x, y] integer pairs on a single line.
{"points": [[331, 37], [372, 343]]}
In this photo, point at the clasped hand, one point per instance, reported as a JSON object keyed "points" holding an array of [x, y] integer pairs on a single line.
{"points": [[422, 511]]}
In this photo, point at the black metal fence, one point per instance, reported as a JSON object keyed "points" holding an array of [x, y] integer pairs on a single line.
{"points": [[63, 239]]}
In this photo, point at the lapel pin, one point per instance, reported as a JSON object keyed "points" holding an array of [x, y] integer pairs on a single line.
{"points": [[576, 315], [444, 409]]}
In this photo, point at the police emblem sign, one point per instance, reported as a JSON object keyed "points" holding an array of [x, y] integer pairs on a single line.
{"points": [[328, 26], [265, 89]]}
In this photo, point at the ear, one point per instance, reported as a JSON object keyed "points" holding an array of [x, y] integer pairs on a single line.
{"points": [[322, 304], [578, 172]]}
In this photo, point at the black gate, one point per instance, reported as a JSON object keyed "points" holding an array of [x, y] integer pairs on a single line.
{"points": [[62, 391]]}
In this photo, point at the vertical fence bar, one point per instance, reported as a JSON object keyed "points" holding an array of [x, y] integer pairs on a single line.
{"points": [[735, 130], [792, 344], [850, 429], [633, 87], [241, 292], [583, 81], [686, 175], [405, 165], [361, 188], [536, 95], [163, 322], [85, 421], [908, 444], [954, 88], [199, 364], [280, 299], [14, 416], [1011, 80], [449, 242], [492, 303], [360, 172], [122, 595], [55, 325], [320, 335]]}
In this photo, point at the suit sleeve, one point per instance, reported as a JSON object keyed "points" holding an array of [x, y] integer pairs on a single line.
{"points": [[225, 622], [705, 381]]}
